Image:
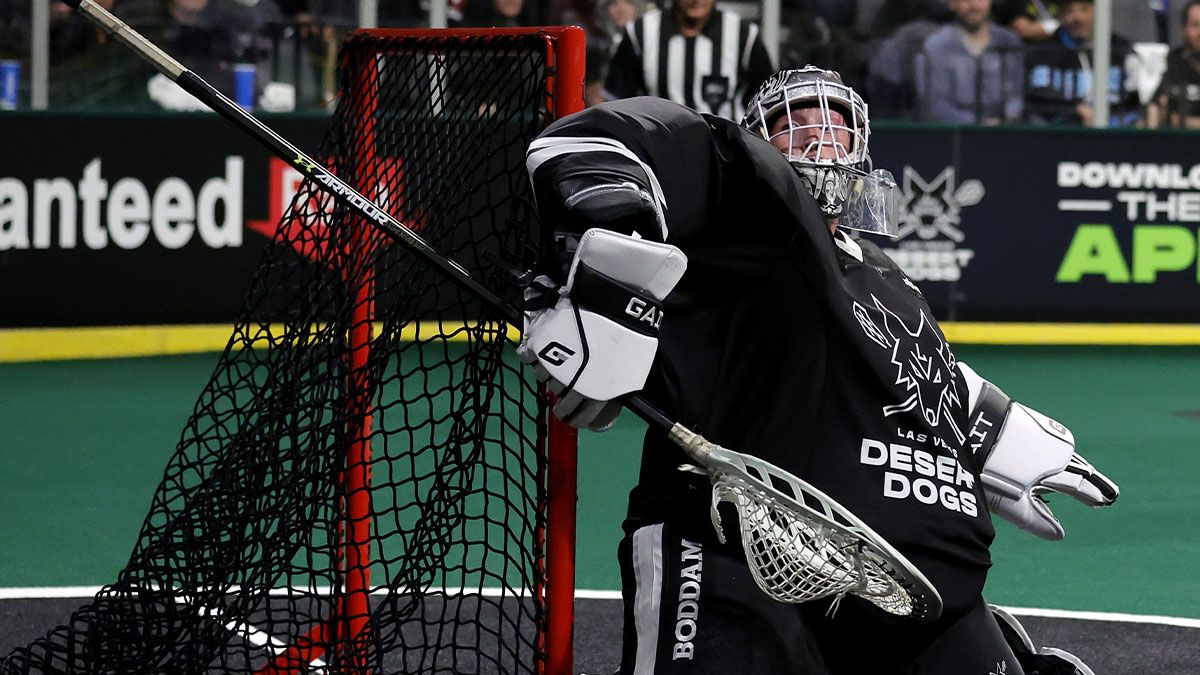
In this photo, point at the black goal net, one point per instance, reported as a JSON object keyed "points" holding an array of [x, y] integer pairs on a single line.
{"points": [[361, 486]]}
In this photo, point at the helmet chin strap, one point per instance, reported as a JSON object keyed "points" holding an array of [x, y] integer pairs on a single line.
{"points": [[828, 185]]}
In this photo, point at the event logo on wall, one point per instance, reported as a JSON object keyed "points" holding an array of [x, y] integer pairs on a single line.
{"points": [[928, 246], [1140, 220]]}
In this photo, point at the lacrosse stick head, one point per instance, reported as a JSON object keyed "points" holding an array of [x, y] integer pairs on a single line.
{"points": [[801, 545]]}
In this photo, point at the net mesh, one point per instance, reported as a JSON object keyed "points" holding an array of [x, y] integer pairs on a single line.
{"points": [[353, 360], [806, 547], [794, 560]]}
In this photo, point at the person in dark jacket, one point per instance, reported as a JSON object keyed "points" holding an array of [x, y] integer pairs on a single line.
{"points": [[1059, 73], [1177, 101]]}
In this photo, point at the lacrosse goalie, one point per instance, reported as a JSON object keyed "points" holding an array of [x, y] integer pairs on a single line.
{"points": [[788, 339]]}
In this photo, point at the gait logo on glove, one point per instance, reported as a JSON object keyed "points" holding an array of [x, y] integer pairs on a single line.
{"points": [[644, 311], [556, 353]]}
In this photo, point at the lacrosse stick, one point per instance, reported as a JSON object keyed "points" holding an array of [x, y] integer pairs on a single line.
{"points": [[800, 544], [798, 552]]}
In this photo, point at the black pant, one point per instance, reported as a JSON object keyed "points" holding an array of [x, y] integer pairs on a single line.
{"points": [[974, 644], [691, 606]]}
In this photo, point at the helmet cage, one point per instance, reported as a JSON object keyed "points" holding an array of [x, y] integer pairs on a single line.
{"points": [[825, 162]]}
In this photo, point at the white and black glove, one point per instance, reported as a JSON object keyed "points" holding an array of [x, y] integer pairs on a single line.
{"points": [[1024, 455], [594, 338]]}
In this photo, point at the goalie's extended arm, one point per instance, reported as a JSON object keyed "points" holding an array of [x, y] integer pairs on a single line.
{"points": [[643, 165], [592, 319], [1024, 455]]}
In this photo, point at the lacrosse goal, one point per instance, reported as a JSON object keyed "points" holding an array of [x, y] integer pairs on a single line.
{"points": [[370, 482]]}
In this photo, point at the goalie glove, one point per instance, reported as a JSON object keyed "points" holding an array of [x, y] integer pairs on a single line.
{"points": [[594, 339], [1024, 455]]}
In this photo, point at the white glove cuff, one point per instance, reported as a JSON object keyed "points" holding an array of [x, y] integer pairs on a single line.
{"points": [[638, 263]]}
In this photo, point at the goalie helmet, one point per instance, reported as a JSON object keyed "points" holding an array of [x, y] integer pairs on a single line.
{"points": [[820, 124]]}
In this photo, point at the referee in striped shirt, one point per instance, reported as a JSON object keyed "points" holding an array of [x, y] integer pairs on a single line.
{"points": [[705, 58]]}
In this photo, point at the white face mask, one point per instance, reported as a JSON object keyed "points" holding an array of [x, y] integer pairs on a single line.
{"points": [[813, 134], [821, 126]]}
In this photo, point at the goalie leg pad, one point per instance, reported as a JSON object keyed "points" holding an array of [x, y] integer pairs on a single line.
{"points": [[692, 607], [973, 644]]}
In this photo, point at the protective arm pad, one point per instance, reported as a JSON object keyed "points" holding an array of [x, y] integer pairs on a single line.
{"points": [[1024, 455], [581, 183], [611, 203], [600, 337]]}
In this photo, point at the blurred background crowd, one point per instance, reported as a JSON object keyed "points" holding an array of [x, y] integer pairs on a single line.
{"points": [[978, 62]]}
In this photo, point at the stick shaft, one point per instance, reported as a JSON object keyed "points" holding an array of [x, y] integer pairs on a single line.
{"points": [[161, 61], [334, 186], [282, 148]]}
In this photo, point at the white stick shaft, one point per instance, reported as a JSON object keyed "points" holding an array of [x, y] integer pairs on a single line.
{"points": [[120, 30], [696, 446]]}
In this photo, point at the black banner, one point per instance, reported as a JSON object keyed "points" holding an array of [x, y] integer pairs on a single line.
{"points": [[156, 219], [1003, 224], [136, 219]]}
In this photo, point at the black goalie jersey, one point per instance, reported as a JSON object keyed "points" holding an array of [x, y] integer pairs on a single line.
{"points": [[811, 351]]}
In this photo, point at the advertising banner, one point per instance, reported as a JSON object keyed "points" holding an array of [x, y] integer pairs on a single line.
{"points": [[157, 219], [128, 220], [1048, 225]]}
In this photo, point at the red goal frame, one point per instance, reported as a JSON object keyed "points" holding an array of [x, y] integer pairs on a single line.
{"points": [[565, 52]]}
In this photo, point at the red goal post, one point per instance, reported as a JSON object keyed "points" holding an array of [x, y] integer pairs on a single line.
{"points": [[565, 48], [370, 481]]}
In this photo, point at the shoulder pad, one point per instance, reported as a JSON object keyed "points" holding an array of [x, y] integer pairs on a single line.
{"points": [[875, 257]]}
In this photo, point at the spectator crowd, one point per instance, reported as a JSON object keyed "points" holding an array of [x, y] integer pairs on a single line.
{"points": [[947, 61]]}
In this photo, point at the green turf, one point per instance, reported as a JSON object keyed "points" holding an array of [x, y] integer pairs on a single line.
{"points": [[82, 446], [1133, 414]]}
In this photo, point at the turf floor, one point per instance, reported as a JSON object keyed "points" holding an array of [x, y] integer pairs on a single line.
{"points": [[83, 443]]}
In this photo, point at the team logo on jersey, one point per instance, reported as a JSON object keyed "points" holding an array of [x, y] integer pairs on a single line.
{"points": [[930, 234], [924, 366], [1001, 668]]}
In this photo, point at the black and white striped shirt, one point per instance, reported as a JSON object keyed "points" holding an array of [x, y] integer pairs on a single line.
{"points": [[715, 72]]}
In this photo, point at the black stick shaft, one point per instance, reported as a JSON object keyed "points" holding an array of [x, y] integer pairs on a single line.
{"points": [[282, 148], [334, 186]]}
